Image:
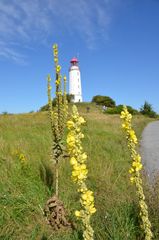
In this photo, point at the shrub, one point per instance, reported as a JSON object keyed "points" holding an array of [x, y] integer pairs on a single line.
{"points": [[5, 113], [104, 100], [118, 109], [147, 109], [69, 97]]}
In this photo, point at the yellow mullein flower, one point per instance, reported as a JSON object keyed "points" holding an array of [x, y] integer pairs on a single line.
{"points": [[132, 179], [55, 59], [58, 68], [81, 120], [83, 166], [73, 161], [49, 88], [135, 169], [137, 166], [70, 140], [77, 213], [80, 171], [131, 170], [57, 82], [70, 124], [133, 136], [55, 46], [65, 102]]}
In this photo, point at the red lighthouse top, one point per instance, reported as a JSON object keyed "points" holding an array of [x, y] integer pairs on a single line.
{"points": [[74, 60]]}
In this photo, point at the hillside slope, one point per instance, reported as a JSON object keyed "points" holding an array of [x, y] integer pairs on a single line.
{"points": [[26, 177]]}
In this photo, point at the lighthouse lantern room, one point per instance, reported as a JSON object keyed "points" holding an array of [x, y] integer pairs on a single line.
{"points": [[75, 81]]}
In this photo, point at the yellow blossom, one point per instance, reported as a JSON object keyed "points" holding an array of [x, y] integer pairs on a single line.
{"points": [[77, 213], [83, 166], [82, 175], [80, 171], [83, 157], [133, 136], [131, 170], [132, 179], [55, 46], [70, 124], [137, 165], [81, 135], [58, 68], [57, 82], [73, 161], [70, 140], [81, 120]]}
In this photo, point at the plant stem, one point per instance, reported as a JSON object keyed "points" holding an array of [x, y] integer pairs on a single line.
{"points": [[57, 178]]}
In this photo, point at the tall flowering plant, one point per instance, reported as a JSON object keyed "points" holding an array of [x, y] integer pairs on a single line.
{"points": [[54, 209], [58, 115], [78, 160], [136, 166]]}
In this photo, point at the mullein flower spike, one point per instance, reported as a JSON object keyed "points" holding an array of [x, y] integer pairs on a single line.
{"points": [[78, 160], [65, 102], [135, 169], [60, 107], [56, 215], [57, 115]]}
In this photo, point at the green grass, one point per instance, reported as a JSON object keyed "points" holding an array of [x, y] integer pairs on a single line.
{"points": [[24, 191]]}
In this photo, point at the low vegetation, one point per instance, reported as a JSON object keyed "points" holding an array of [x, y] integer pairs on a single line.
{"points": [[25, 190], [117, 110]]}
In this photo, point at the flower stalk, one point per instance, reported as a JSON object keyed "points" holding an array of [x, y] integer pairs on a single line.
{"points": [[136, 166], [57, 116], [79, 171]]}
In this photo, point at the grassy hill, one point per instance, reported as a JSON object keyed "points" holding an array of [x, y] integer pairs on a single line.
{"points": [[26, 177]]}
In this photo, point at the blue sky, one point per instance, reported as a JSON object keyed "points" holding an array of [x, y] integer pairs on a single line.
{"points": [[116, 41]]}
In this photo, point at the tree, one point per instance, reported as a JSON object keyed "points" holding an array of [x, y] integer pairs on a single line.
{"points": [[104, 100], [147, 109]]}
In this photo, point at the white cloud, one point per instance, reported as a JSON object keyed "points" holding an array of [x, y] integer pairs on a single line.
{"points": [[8, 52], [34, 21]]}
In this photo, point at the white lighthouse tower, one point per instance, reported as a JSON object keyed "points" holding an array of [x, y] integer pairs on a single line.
{"points": [[75, 81]]}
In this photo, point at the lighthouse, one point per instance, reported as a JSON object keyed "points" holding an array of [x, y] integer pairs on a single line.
{"points": [[75, 88]]}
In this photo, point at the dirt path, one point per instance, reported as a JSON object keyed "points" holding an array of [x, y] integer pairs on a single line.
{"points": [[150, 148]]}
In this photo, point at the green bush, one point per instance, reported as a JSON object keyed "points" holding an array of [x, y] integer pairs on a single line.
{"points": [[147, 110], [119, 108], [104, 100]]}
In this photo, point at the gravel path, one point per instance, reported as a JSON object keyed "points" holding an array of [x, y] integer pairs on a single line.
{"points": [[150, 148]]}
